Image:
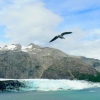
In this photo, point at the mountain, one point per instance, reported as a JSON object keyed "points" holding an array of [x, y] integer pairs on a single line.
{"points": [[93, 62], [21, 62]]}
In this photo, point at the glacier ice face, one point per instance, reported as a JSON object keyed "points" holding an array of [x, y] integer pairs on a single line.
{"points": [[55, 85]]}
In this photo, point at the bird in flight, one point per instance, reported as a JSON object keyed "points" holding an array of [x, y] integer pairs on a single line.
{"points": [[60, 36]]}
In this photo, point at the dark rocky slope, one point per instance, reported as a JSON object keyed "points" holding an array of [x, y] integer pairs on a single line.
{"points": [[72, 68], [10, 85]]}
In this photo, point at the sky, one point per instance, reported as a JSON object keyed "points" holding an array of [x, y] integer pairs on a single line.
{"points": [[38, 21]]}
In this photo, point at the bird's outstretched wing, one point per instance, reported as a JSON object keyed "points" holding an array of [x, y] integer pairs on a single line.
{"points": [[66, 33], [54, 38]]}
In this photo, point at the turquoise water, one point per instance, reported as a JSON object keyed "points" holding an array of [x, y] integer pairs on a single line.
{"points": [[86, 94]]}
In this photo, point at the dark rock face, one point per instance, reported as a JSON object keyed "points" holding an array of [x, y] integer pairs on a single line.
{"points": [[37, 62], [8, 85]]}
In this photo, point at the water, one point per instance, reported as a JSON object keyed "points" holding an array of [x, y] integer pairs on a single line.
{"points": [[84, 94]]}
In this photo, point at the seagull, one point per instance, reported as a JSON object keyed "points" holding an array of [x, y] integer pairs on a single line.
{"points": [[60, 36]]}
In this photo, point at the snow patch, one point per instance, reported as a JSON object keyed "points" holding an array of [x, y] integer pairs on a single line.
{"points": [[24, 48], [11, 47], [30, 46]]}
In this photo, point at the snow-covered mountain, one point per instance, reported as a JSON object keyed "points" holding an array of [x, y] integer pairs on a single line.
{"points": [[33, 61], [30, 47]]}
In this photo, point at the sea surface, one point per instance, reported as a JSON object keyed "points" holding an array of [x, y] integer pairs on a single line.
{"points": [[83, 94]]}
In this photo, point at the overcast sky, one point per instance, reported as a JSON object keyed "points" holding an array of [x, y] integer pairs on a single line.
{"points": [[38, 21]]}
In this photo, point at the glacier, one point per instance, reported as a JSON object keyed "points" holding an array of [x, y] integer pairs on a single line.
{"points": [[54, 85]]}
